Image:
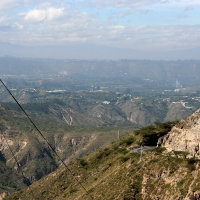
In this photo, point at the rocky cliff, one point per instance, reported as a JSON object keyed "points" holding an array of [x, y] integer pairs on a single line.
{"points": [[184, 137]]}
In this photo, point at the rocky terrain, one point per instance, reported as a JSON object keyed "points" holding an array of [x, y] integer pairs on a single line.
{"points": [[117, 172], [184, 137], [88, 109], [34, 156]]}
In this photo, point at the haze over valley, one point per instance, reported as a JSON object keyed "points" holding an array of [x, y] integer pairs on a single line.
{"points": [[99, 100], [81, 106]]}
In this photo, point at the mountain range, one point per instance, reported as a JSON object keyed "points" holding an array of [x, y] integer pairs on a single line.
{"points": [[83, 51]]}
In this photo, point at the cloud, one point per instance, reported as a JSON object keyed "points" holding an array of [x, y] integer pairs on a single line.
{"points": [[18, 25], [7, 4], [136, 3], [180, 3], [38, 15], [189, 8], [2, 19], [93, 26], [165, 37], [120, 3], [126, 13], [10, 28], [44, 5]]}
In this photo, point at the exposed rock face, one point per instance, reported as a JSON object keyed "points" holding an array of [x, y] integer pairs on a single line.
{"points": [[104, 112], [3, 195], [185, 136]]}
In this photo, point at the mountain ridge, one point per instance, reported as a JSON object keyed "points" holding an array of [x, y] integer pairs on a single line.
{"points": [[93, 52]]}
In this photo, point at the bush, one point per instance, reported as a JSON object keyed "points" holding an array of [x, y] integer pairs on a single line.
{"points": [[103, 153], [83, 162], [122, 151], [129, 140], [159, 150], [125, 158], [191, 162]]}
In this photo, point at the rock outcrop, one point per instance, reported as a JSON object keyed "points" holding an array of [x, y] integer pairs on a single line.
{"points": [[3, 195], [185, 136]]}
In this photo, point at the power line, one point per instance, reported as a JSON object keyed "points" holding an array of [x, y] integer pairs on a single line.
{"points": [[40, 133]]}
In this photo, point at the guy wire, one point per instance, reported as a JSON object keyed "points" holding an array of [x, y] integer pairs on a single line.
{"points": [[40, 133]]}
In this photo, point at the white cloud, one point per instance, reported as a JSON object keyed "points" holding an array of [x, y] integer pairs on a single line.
{"points": [[180, 3], [165, 37], [137, 3], [120, 28], [76, 26], [7, 4], [126, 13], [120, 3], [38, 15], [44, 5], [2, 19], [19, 26]]}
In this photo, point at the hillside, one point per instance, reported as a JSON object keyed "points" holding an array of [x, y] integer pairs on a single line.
{"points": [[116, 172], [89, 109], [34, 156], [11, 180]]}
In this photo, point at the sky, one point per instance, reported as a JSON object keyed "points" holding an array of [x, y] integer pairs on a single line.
{"points": [[139, 25]]}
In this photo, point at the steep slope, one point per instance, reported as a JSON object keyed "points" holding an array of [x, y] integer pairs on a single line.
{"points": [[77, 113], [116, 172], [104, 112], [34, 156], [10, 179], [176, 111], [141, 114], [85, 108], [184, 136]]}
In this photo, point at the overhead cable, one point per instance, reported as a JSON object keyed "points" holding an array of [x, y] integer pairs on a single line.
{"points": [[50, 146]]}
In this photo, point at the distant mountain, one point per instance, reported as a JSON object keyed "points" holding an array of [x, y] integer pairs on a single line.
{"points": [[83, 51], [186, 71]]}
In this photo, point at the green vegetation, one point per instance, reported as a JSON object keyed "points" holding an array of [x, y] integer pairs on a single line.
{"points": [[114, 172], [150, 134]]}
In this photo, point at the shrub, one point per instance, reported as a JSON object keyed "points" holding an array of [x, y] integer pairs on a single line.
{"points": [[122, 151], [129, 140], [159, 150], [125, 158], [191, 162], [83, 162]]}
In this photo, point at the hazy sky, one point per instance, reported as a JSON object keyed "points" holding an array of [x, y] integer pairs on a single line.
{"points": [[136, 24]]}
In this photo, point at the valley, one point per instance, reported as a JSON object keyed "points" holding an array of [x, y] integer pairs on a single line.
{"points": [[93, 113]]}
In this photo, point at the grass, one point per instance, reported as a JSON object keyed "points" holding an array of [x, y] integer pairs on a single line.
{"points": [[113, 172]]}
